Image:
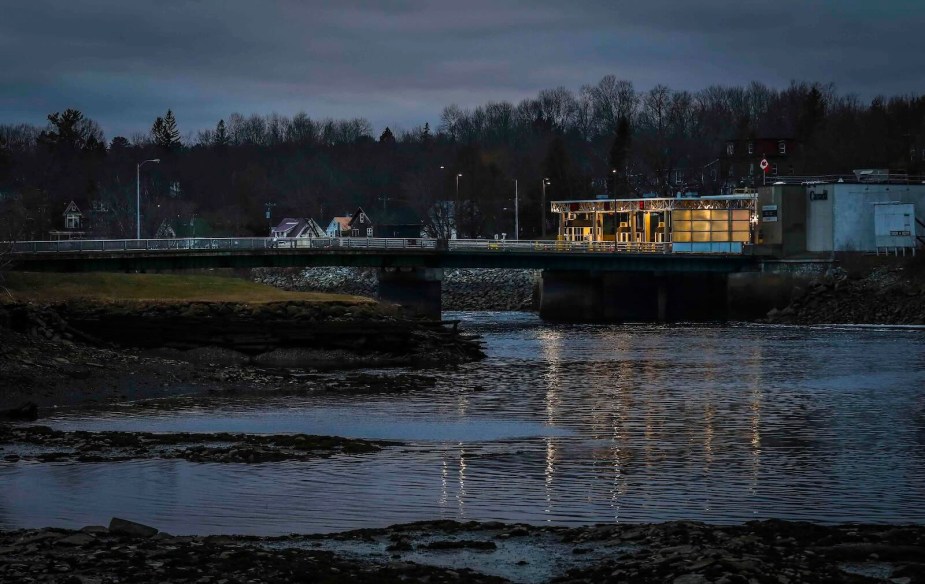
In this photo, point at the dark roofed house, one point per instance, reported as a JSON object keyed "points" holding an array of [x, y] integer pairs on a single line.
{"points": [[73, 224], [297, 227], [360, 224], [399, 222]]}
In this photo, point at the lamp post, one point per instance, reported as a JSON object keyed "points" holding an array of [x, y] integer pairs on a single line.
{"points": [[456, 206], [516, 214], [138, 194], [543, 209]]}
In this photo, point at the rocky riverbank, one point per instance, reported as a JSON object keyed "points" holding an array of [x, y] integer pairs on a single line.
{"points": [[482, 289], [72, 353], [892, 293], [760, 552]]}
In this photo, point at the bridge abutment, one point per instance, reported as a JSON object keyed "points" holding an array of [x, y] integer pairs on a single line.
{"points": [[592, 296], [415, 289]]}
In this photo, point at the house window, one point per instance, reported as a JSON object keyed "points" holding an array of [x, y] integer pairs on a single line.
{"points": [[354, 233], [782, 147], [774, 169], [369, 232], [751, 147], [362, 218], [678, 177], [72, 221], [730, 149]]}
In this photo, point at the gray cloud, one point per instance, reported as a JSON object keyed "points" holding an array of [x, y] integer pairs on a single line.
{"points": [[400, 62]]}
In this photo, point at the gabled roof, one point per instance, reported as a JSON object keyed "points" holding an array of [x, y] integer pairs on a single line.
{"points": [[343, 222], [367, 222], [286, 226], [71, 209], [298, 227]]}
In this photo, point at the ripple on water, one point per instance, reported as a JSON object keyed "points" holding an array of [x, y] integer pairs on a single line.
{"points": [[567, 424]]}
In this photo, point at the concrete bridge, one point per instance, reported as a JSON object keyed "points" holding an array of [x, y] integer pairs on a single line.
{"points": [[581, 281]]}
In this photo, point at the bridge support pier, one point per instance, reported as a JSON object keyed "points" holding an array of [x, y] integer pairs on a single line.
{"points": [[589, 296], [415, 289]]}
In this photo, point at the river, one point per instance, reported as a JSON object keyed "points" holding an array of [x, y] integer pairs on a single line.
{"points": [[561, 424]]}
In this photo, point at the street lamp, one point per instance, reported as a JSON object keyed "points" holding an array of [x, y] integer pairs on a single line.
{"points": [[456, 207], [516, 216], [543, 209], [138, 194]]}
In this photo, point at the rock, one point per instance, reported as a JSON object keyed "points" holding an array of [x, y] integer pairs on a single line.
{"points": [[125, 527], [691, 579], [27, 412], [76, 540]]}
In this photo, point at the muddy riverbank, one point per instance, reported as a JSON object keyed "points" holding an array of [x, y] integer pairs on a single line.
{"points": [[76, 353], [776, 552]]}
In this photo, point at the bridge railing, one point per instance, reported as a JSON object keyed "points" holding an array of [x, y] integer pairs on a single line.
{"points": [[559, 246], [380, 243]]}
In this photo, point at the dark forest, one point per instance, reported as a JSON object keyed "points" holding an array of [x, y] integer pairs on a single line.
{"points": [[607, 138]]}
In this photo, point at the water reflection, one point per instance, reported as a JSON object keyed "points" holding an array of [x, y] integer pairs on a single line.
{"points": [[561, 424]]}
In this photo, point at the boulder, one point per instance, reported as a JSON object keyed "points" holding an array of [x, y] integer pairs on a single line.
{"points": [[125, 527]]}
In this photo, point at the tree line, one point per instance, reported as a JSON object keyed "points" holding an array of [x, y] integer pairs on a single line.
{"points": [[607, 138]]}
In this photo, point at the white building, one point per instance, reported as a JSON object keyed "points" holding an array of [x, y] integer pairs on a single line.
{"points": [[840, 216]]}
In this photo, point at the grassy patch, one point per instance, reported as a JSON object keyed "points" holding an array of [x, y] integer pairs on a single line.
{"points": [[118, 288]]}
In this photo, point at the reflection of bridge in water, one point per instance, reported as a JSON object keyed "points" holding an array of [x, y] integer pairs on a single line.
{"points": [[583, 281]]}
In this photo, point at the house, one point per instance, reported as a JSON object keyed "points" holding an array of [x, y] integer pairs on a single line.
{"points": [[360, 224], [741, 159], [356, 225], [298, 227], [338, 227], [73, 224], [399, 222]]}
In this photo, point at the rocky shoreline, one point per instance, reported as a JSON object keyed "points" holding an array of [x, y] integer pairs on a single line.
{"points": [[777, 552], [887, 294], [77, 353]]}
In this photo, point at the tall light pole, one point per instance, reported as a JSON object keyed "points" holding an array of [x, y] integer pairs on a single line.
{"points": [[516, 216], [543, 209], [456, 206], [138, 194]]}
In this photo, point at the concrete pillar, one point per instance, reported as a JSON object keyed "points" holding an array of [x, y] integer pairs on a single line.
{"points": [[415, 289], [583, 296]]}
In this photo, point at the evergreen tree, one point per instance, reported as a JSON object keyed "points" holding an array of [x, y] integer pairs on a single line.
{"points": [[157, 131], [221, 135], [387, 137], [426, 137], [165, 132]]}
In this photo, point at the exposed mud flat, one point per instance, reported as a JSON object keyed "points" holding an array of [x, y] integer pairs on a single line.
{"points": [[445, 551]]}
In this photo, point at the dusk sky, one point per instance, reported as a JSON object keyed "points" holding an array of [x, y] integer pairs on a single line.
{"points": [[399, 63]]}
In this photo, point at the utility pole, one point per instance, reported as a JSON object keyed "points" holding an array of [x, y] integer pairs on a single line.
{"points": [[516, 215], [543, 209], [269, 223]]}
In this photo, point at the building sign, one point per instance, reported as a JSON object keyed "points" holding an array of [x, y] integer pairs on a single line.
{"points": [[820, 196], [769, 213]]}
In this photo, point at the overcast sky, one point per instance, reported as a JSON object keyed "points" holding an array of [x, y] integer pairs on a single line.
{"points": [[398, 63]]}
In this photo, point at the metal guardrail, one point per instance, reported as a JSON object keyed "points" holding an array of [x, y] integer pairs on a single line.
{"points": [[76, 246]]}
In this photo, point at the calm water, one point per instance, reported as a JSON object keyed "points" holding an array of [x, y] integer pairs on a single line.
{"points": [[568, 424]]}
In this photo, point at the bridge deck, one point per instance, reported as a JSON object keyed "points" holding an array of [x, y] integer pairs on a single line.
{"points": [[177, 254]]}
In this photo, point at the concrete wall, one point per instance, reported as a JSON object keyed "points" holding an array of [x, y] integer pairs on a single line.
{"points": [[788, 233], [415, 289], [819, 217], [854, 211]]}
